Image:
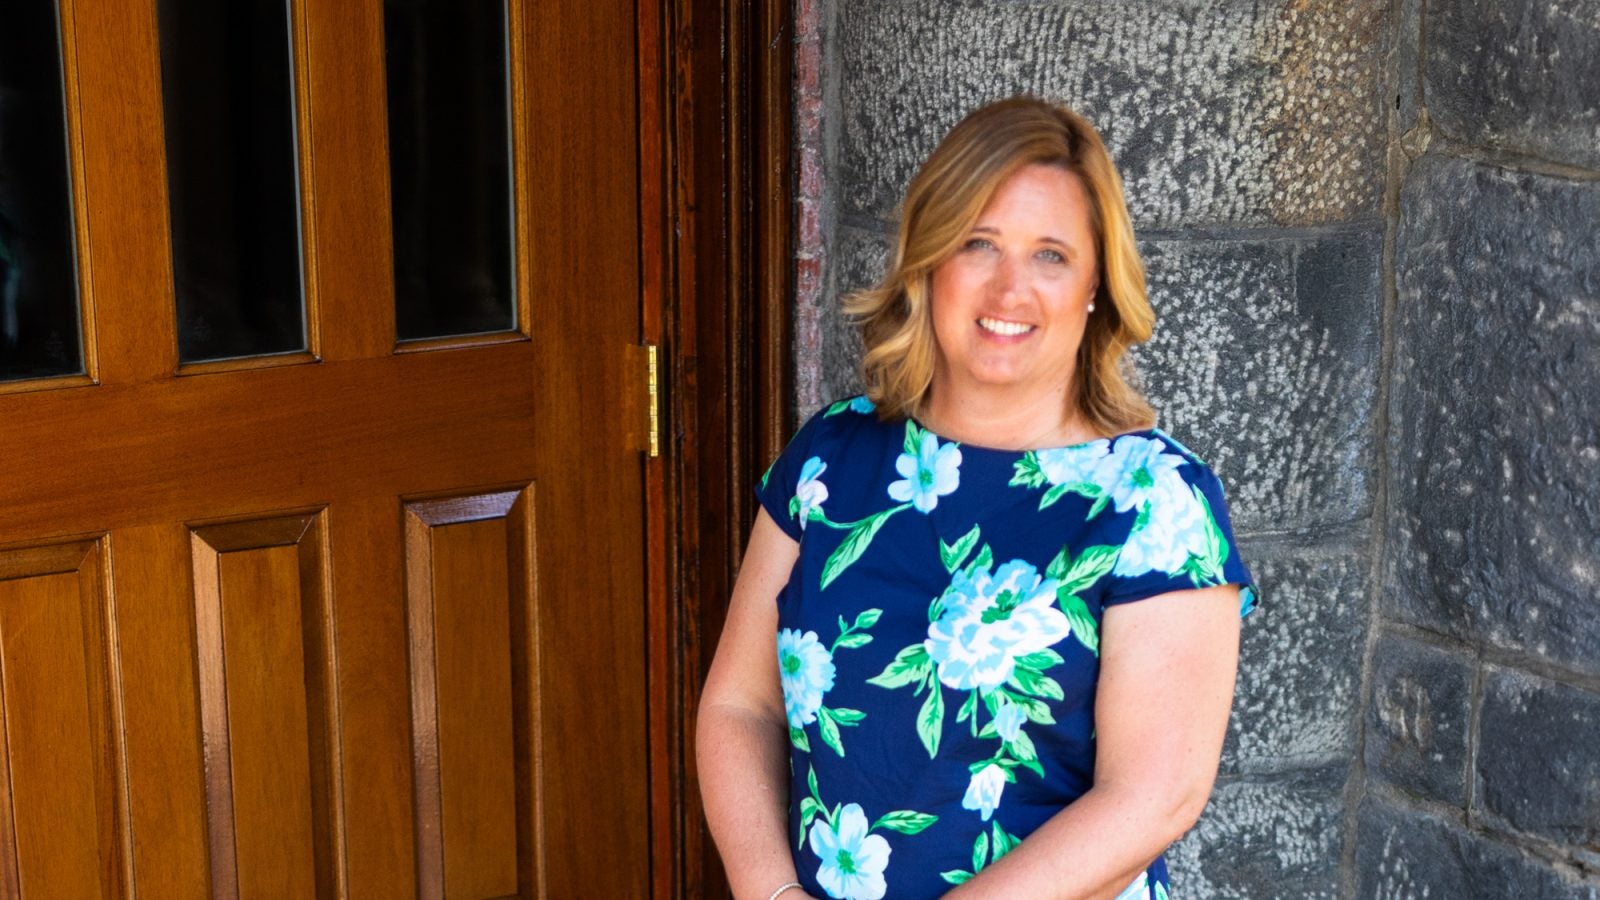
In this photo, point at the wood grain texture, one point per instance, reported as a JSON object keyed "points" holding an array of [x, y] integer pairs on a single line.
{"points": [[272, 797], [469, 569], [63, 812]]}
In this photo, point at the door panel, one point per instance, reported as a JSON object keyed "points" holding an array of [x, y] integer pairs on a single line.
{"points": [[316, 646]]}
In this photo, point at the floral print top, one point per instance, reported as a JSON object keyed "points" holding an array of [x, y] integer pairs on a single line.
{"points": [[938, 642]]}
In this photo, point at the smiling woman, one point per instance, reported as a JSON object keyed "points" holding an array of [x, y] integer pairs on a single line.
{"points": [[1012, 600]]}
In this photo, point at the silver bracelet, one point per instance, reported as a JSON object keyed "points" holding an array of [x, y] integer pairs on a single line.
{"points": [[781, 889]]}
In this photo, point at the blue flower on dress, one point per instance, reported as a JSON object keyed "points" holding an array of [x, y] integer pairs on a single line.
{"points": [[932, 473], [852, 860], [1173, 529], [983, 791], [1008, 721], [862, 405], [1073, 465], [1134, 467], [805, 669], [810, 493], [989, 620]]}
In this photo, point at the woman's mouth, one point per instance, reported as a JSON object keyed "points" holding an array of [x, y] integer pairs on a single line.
{"points": [[1004, 328]]}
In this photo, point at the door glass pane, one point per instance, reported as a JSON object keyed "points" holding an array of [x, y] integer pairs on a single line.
{"points": [[232, 177], [450, 159], [39, 333]]}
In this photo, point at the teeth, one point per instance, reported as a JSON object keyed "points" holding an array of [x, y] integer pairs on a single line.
{"points": [[1000, 326]]}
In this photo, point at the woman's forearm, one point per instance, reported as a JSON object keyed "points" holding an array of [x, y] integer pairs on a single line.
{"points": [[743, 768], [1091, 850]]}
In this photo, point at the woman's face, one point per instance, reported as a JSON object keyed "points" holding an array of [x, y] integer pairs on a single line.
{"points": [[1009, 307]]}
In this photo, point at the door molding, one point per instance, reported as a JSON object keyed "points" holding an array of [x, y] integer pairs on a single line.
{"points": [[717, 243]]}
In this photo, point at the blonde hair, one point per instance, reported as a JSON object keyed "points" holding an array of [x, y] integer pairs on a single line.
{"points": [[941, 206]]}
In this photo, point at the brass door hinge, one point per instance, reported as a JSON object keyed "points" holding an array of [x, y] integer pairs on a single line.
{"points": [[653, 397]]}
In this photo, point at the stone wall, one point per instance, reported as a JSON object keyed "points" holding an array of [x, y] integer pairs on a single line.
{"points": [[1371, 235]]}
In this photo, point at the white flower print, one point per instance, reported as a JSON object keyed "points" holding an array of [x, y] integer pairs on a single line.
{"points": [[931, 473], [1008, 721], [991, 619], [810, 493], [1138, 890], [1134, 467], [983, 791], [852, 860], [1174, 528], [805, 669], [1073, 465]]}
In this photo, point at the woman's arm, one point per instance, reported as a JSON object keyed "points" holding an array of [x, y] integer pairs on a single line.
{"points": [[1166, 686], [742, 734]]}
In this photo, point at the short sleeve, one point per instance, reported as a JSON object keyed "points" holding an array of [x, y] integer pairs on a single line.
{"points": [[792, 478], [1182, 539]]}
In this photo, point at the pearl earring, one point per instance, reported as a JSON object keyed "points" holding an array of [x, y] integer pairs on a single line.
{"points": [[1091, 307]]}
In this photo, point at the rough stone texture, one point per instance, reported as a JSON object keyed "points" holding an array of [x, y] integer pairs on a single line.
{"points": [[1300, 661], [1538, 761], [1264, 362], [1403, 854], [860, 257], [1217, 111], [1495, 411], [1418, 717], [1517, 74], [1278, 837]]}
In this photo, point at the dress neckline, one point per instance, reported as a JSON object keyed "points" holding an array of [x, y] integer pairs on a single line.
{"points": [[964, 445]]}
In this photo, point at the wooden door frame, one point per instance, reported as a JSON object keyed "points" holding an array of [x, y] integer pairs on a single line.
{"points": [[718, 282]]}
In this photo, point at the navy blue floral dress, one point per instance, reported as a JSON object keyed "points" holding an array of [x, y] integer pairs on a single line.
{"points": [[938, 640]]}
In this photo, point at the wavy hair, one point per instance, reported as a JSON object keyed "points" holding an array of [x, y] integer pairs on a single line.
{"points": [[941, 206]]}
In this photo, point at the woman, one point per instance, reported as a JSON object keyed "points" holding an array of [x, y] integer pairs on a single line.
{"points": [[933, 676]]}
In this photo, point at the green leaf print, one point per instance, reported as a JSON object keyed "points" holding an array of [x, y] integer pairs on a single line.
{"points": [[829, 730], [1028, 473], [930, 719], [984, 852], [1022, 748], [1080, 574], [984, 560], [1002, 843], [956, 876], [913, 442], [909, 665], [1039, 685], [838, 407], [904, 821], [969, 710], [952, 554], [1086, 488], [855, 543], [809, 808], [797, 736], [980, 852], [1041, 659], [866, 619], [847, 716], [852, 640], [1083, 624], [1035, 710]]}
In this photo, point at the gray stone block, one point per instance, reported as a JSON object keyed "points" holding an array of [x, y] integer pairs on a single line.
{"points": [[1418, 717], [1264, 361], [1300, 661], [1272, 838], [858, 259], [1538, 763], [1519, 74], [1403, 854], [1226, 111], [1495, 411]]}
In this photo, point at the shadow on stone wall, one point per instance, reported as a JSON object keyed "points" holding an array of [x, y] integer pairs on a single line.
{"points": [[1371, 235]]}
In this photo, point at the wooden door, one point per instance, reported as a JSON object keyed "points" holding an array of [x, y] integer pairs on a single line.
{"points": [[365, 620]]}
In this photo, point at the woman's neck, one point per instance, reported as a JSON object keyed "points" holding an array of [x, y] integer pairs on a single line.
{"points": [[1044, 421]]}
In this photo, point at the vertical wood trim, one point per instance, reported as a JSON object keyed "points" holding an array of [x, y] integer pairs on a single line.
{"points": [[123, 191], [10, 878], [307, 533], [527, 693], [521, 168], [345, 180], [77, 180], [300, 71], [424, 707]]}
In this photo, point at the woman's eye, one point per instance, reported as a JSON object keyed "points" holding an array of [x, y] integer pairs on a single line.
{"points": [[978, 244], [1052, 256]]}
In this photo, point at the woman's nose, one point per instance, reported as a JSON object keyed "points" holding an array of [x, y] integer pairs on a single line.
{"points": [[1008, 277]]}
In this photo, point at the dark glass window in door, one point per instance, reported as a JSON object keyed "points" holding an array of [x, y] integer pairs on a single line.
{"points": [[227, 85], [450, 166], [39, 332]]}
